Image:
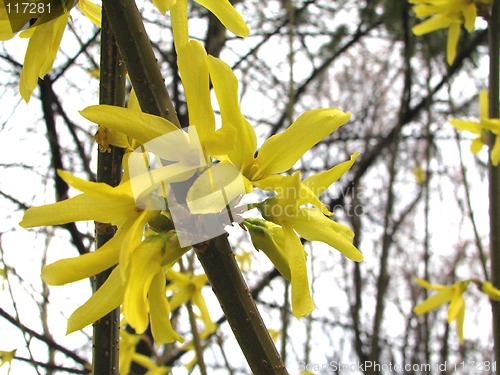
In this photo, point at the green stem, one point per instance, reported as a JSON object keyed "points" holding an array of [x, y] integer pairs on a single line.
{"points": [[494, 172], [109, 170], [239, 307], [218, 259]]}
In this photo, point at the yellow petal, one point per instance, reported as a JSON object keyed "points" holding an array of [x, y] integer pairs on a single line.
{"points": [[91, 10], [193, 69], [5, 31], [491, 291], [457, 304], [280, 152], [227, 15], [141, 126], [302, 303], [107, 298], [134, 229], [287, 201], [6, 28], [40, 55], [162, 329], [432, 24], [470, 126], [434, 301], [84, 266], [495, 152], [80, 208], [217, 144], [215, 189], [179, 20], [470, 15], [460, 324], [226, 89], [477, 145], [430, 286], [96, 189], [314, 226], [319, 182], [144, 265], [453, 36]]}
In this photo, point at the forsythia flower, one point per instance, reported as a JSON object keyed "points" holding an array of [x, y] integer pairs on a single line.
{"points": [[481, 128], [45, 36], [452, 294], [235, 144], [187, 288], [449, 14], [6, 357], [128, 283], [282, 245], [204, 161]]}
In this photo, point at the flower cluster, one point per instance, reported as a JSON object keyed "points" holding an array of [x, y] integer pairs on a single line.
{"points": [[174, 179], [453, 294], [447, 14]]}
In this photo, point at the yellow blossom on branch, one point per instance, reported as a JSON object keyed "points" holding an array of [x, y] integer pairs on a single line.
{"points": [[481, 129], [280, 241], [445, 14], [452, 294], [187, 288]]}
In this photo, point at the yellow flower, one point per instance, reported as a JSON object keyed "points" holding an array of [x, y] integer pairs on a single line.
{"points": [[452, 294], [280, 242], [280, 152], [140, 287], [139, 273], [187, 288], [6, 357], [449, 14], [481, 128], [45, 36]]}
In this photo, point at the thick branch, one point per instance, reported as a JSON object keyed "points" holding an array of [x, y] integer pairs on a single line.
{"points": [[109, 170]]}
